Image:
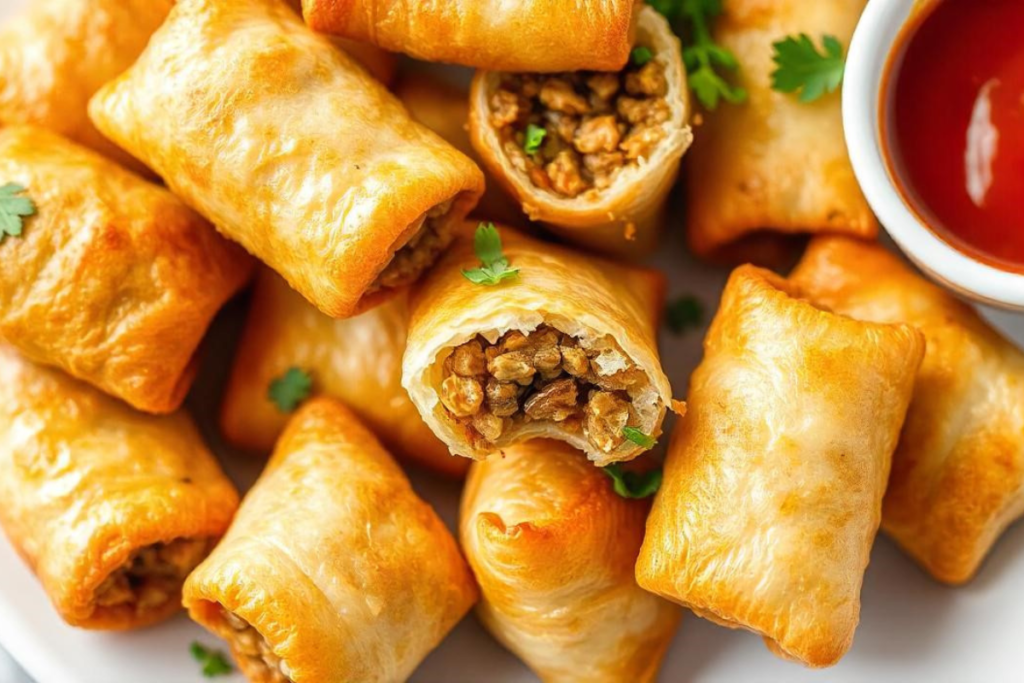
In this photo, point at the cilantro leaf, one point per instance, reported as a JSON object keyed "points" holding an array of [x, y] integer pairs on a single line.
{"points": [[633, 484], [670, 9], [703, 55], [290, 389], [214, 662], [13, 210], [495, 268], [683, 314], [799, 66], [639, 438], [534, 138], [641, 55]]}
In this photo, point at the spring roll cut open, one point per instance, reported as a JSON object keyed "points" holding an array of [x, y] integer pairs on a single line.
{"points": [[612, 142], [566, 351], [113, 279], [958, 473], [291, 149], [552, 547], [774, 479], [527, 35], [362, 594], [109, 507]]}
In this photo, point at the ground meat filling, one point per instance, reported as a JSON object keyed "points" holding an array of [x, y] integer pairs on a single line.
{"points": [[247, 642], [152, 575], [419, 253], [597, 123], [545, 375]]}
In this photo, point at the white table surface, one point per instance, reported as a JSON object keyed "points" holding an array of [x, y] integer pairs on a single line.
{"points": [[912, 629]]}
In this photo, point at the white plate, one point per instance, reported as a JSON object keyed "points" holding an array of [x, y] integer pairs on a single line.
{"points": [[912, 629]]}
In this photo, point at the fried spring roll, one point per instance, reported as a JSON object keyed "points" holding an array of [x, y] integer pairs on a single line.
{"points": [[357, 360], [553, 548], [611, 149], [56, 53], [567, 350], [334, 569], [958, 473], [113, 279], [291, 149], [773, 485], [110, 508], [774, 165], [444, 109], [528, 35]]}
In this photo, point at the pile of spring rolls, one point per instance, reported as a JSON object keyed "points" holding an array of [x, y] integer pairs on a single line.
{"points": [[176, 153]]}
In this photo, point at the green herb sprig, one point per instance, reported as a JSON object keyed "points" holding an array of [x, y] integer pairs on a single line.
{"points": [[534, 138], [683, 314], [290, 389], [495, 268], [703, 55], [639, 438], [641, 55], [633, 484], [213, 662], [14, 208], [800, 66]]}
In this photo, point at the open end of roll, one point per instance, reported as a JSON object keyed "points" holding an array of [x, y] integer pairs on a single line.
{"points": [[152, 576], [596, 124], [260, 661], [491, 389], [430, 236]]}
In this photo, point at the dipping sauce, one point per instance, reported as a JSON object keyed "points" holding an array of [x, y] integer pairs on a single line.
{"points": [[953, 125]]}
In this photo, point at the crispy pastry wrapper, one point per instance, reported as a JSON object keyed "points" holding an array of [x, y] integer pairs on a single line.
{"points": [[357, 360], [773, 484], [334, 560], [773, 164], [958, 473], [626, 218], [56, 54], [288, 147], [113, 279], [576, 294], [381, 64], [553, 548], [444, 109], [528, 35], [86, 483]]}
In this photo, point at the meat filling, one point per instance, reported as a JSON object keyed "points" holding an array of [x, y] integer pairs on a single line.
{"points": [[419, 253], [596, 124], [152, 575], [544, 375], [247, 642]]}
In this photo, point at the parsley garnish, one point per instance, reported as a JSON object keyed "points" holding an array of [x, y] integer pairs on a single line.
{"points": [[534, 138], [633, 484], [214, 662], [703, 55], [641, 55], [638, 437], [683, 314], [13, 210], [801, 67], [290, 389], [487, 243]]}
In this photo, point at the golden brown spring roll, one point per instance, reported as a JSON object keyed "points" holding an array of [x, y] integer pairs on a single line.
{"points": [[334, 570], [567, 350], [444, 109], [773, 485], [773, 165], [56, 53], [110, 508], [612, 147], [357, 360], [528, 35], [553, 548], [291, 149], [958, 473], [380, 63], [113, 279]]}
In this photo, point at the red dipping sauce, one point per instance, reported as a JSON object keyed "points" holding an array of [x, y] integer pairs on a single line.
{"points": [[953, 125]]}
